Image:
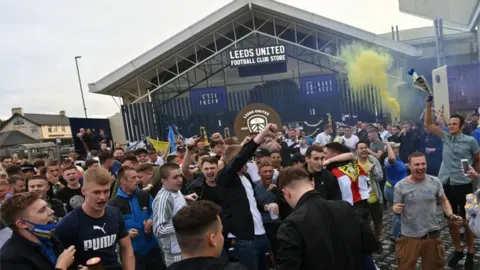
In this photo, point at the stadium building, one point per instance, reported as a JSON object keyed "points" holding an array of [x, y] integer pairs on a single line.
{"points": [[262, 51]]}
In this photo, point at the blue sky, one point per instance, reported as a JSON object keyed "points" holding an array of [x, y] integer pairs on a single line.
{"points": [[41, 38]]}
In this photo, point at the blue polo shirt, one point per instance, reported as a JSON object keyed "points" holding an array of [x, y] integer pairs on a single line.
{"points": [[395, 172], [456, 148]]}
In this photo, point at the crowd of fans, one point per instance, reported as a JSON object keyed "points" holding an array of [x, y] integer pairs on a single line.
{"points": [[277, 200]]}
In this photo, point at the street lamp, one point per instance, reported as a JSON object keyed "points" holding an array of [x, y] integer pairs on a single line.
{"points": [[80, 83]]}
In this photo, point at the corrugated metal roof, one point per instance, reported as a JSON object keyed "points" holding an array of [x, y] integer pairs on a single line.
{"points": [[14, 137], [133, 68]]}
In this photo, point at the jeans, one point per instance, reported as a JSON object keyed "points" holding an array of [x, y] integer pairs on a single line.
{"points": [[271, 229], [389, 194], [368, 263], [251, 253]]}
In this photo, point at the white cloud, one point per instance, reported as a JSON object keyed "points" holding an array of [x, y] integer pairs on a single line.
{"points": [[37, 67]]}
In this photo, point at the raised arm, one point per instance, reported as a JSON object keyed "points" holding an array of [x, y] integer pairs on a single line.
{"points": [[339, 158], [187, 160], [392, 158], [429, 121], [246, 153]]}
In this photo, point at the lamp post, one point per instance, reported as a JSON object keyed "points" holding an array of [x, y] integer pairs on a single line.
{"points": [[80, 83]]}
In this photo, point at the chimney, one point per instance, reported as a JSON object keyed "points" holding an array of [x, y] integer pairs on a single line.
{"points": [[18, 110], [62, 113]]}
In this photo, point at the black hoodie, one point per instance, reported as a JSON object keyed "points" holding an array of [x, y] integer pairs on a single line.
{"points": [[206, 263], [326, 184]]}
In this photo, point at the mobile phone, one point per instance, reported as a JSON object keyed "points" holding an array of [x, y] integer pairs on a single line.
{"points": [[465, 166]]}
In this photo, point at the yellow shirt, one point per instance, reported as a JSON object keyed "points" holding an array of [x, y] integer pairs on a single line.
{"points": [[366, 167]]}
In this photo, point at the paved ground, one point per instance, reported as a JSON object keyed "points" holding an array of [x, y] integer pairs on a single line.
{"points": [[386, 259]]}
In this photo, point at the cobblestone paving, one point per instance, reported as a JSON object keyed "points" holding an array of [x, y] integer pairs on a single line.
{"points": [[385, 260]]}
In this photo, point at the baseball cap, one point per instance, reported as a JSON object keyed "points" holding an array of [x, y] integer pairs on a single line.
{"points": [[262, 152]]}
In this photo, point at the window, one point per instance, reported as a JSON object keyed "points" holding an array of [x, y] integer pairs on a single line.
{"points": [[63, 129], [54, 129], [34, 130], [50, 129]]}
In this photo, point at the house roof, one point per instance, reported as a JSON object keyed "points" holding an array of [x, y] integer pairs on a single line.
{"points": [[14, 137], [148, 59], [40, 119], [47, 119]]}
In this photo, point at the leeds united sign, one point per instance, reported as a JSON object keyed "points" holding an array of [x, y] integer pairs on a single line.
{"points": [[253, 118], [257, 56]]}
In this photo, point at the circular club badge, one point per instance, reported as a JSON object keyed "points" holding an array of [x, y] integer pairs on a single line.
{"points": [[253, 118]]}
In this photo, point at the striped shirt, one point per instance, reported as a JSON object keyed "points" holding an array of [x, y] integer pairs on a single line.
{"points": [[165, 206]]}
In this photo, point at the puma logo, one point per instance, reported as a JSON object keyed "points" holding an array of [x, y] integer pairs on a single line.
{"points": [[95, 227]]}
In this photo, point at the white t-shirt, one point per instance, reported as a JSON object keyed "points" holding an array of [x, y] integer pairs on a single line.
{"points": [[257, 218], [290, 142], [159, 161], [351, 142], [322, 138], [384, 135], [303, 150]]}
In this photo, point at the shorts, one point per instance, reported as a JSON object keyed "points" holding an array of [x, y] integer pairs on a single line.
{"points": [[456, 196], [376, 212]]}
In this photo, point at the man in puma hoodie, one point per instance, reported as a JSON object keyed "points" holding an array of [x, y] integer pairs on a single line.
{"points": [[199, 234]]}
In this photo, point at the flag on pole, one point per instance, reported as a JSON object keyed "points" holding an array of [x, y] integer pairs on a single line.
{"points": [[159, 145], [171, 139]]}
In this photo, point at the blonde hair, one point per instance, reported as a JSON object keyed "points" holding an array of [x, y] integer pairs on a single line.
{"points": [[97, 175]]}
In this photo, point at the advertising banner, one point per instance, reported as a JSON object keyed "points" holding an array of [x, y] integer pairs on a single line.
{"points": [[208, 99], [319, 86], [257, 56]]}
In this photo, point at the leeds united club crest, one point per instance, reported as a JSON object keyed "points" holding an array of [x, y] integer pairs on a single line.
{"points": [[253, 118], [256, 123]]}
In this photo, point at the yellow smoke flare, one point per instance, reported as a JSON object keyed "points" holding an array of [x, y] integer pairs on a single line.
{"points": [[368, 67]]}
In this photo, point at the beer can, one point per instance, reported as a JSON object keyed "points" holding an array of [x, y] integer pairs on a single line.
{"points": [[95, 263], [470, 198], [468, 205]]}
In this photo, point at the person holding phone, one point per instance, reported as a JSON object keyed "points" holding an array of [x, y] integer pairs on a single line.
{"points": [[415, 200], [456, 147]]}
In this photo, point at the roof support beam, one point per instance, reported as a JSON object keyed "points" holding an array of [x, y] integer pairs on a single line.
{"points": [[205, 50], [191, 68]]}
